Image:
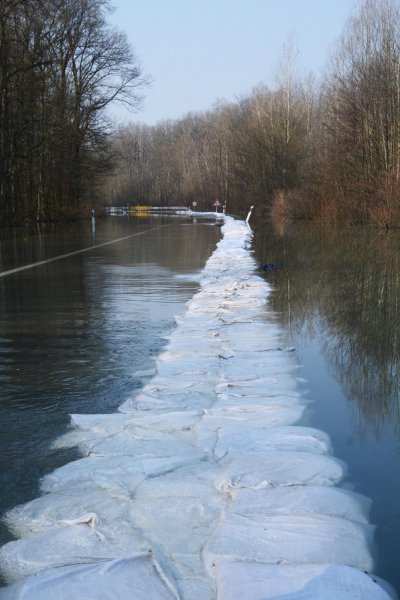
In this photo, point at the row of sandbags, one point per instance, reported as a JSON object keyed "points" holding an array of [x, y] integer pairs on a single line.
{"points": [[206, 484]]}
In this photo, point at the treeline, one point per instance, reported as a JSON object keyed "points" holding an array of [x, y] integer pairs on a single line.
{"points": [[61, 64], [329, 152], [239, 153]]}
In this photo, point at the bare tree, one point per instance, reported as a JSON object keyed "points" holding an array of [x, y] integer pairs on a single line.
{"points": [[61, 65]]}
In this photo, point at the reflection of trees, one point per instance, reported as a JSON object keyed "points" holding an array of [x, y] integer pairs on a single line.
{"points": [[349, 281]]}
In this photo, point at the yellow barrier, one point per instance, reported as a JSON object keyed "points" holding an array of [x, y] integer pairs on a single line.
{"points": [[140, 208]]}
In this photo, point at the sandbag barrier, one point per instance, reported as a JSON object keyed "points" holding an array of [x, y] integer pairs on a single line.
{"points": [[204, 485]]}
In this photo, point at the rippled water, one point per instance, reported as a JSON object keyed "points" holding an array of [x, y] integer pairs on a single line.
{"points": [[78, 334]]}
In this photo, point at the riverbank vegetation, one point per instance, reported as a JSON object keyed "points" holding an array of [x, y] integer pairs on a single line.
{"points": [[61, 64], [300, 150]]}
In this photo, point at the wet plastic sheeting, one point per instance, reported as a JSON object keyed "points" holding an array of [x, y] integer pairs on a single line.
{"points": [[208, 474], [237, 580], [302, 500], [290, 539], [136, 577]]}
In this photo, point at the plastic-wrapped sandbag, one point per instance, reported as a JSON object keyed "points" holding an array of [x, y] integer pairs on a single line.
{"points": [[118, 468], [68, 545], [301, 499], [239, 580], [102, 484], [223, 436], [279, 468], [136, 576], [268, 414], [271, 385], [175, 422], [138, 443], [50, 511], [291, 538], [295, 402], [188, 399]]}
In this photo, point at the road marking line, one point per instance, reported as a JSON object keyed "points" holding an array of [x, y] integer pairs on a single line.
{"points": [[49, 260]]}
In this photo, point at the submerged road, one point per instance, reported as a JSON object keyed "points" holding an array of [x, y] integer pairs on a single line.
{"points": [[204, 484], [68, 254]]}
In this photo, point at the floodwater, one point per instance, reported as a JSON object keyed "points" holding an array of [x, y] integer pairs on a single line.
{"points": [[79, 334], [338, 296]]}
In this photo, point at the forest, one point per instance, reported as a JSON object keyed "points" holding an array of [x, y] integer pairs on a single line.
{"points": [[323, 149], [61, 65], [304, 149]]}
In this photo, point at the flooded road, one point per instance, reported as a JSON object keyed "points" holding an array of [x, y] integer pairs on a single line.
{"points": [[78, 334]]}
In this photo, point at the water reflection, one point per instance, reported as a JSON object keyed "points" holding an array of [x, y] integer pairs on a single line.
{"points": [[347, 281], [74, 332], [338, 297]]}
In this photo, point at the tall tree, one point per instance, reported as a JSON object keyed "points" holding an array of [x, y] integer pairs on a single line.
{"points": [[61, 65], [362, 107]]}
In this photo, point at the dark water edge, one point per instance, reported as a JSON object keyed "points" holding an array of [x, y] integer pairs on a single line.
{"points": [[80, 333], [338, 297]]}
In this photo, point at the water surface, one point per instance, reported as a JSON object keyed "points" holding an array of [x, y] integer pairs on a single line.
{"points": [[78, 334], [338, 298]]}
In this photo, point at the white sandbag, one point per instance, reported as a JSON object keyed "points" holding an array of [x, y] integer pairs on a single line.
{"points": [[256, 397], [187, 521], [203, 397], [267, 384], [120, 469], [270, 415], [89, 429], [189, 345], [269, 356], [102, 423], [146, 443], [108, 499], [279, 468], [163, 388], [239, 580], [222, 435], [188, 368], [240, 371], [257, 332], [74, 544], [198, 324], [101, 484], [193, 481], [135, 577], [192, 579], [169, 422], [301, 499], [295, 538]]}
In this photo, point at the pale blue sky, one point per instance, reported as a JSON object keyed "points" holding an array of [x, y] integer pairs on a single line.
{"points": [[201, 51]]}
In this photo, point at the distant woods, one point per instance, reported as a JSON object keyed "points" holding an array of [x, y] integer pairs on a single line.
{"points": [[329, 152], [61, 64]]}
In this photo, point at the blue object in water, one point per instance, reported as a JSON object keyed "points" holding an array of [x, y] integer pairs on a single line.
{"points": [[271, 266]]}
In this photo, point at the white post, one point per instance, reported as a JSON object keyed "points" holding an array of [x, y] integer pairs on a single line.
{"points": [[249, 215]]}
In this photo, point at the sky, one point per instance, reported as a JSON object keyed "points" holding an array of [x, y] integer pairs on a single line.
{"points": [[199, 52]]}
